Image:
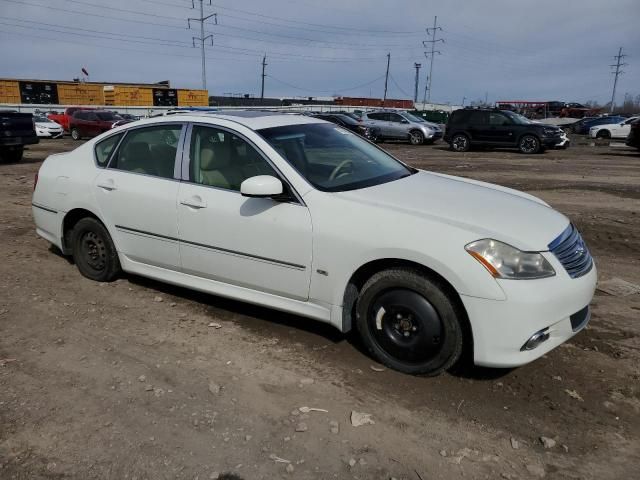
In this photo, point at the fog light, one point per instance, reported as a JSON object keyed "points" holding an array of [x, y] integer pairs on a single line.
{"points": [[536, 339]]}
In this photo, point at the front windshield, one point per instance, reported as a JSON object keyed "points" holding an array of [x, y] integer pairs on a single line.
{"points": [[413, 118], [108, 116], [333, 159], [517, 118], [41, 119]]}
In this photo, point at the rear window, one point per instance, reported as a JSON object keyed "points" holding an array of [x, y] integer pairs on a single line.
{"points": [[104, 149]]}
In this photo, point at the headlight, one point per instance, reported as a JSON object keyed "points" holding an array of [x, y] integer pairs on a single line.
{"points": [[505, 261], [550, 131]]}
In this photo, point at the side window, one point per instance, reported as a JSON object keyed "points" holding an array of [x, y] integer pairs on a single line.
{"points": [[221, 159], [498, 119], [394, 117], [104, 149], [150, 150], [478, 118], [376, 116]]}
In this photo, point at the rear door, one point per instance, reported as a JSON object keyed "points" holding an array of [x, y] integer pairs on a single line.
{"points": [[137, 194], [379, 120], [478, 126]]}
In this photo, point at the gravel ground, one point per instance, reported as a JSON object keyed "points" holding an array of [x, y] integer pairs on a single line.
{"points": [[137, 379]]}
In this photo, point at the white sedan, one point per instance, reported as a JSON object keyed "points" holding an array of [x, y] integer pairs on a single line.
{"points": [[613, 130], [46, 128], [300, 215]]}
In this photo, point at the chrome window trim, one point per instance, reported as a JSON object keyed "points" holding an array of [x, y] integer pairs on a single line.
{"points": [[153, 125], [186, 161]]}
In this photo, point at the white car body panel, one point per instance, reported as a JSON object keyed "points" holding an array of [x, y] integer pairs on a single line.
{"points": [[617, 130], [299, 256]]}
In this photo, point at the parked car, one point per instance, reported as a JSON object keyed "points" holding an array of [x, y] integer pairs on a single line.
{"points": [[633, 140], [348, 122], [47, 128], [487, 127], [289, 212], [583, 126], [399, 125], [612, 130], [16, 131], [64, 118], [89, 123]]}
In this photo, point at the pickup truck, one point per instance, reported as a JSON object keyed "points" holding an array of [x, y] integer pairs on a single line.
{"points": [[16, 131], [63, 118], [90, 123]]}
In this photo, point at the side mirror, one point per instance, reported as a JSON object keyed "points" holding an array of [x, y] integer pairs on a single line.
{"points": [[261, 186], [404, 120]]}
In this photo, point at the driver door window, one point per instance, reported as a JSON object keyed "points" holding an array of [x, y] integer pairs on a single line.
{"points": [[220, 159], [498, 120]]}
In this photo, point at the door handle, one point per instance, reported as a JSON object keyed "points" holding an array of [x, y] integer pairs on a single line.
{"points": [[194, 202], [107, 185]]}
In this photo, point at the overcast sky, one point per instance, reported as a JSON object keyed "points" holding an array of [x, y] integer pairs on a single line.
{"points": [[508, 49]]}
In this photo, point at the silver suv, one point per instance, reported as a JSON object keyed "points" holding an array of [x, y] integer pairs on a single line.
{"points": [[394, 125]]}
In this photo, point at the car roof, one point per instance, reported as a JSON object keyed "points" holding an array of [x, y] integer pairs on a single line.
{"points": [[253, 119]]}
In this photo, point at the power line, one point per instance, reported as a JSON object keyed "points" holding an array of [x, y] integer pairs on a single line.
{"points": [[202, 38], [617, 73], [334, 90], [432, 42], [399, 87]]}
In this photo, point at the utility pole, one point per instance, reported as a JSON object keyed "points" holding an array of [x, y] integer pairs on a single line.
{"points": [[426, 87], [264, 64], [415, 92], [463, 99], [386, 79], [430, 55], [202, 39], [617, 73]]}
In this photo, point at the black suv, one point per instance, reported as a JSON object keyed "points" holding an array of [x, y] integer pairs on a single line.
{"points": [[470, 127]]}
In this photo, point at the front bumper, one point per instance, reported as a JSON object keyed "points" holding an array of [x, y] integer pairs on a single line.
{"points": [[49, 133], [502, 328]]}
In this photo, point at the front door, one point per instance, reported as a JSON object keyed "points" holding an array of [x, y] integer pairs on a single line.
{"points": [[501, 129], [137, 195], [398, 126], [257, 243]]}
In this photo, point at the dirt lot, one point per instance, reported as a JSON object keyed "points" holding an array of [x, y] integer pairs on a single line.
{"points": [[128, 380]]}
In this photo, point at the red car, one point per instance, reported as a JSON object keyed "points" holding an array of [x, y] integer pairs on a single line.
{"points": [[63, 118], [90, 123]]}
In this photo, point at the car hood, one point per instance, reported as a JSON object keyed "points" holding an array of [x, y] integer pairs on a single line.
{"points": [[483, 209], [47, 125]]}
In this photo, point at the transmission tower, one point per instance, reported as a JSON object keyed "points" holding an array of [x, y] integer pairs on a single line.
{"points": [[202, 38], [430, 54], [617, 73]]}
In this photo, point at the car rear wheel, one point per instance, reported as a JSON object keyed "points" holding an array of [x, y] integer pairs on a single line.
{"points": [[75, 134], [603, 134], [416, 137], [460, 143], [409, 323], [529, 144], [93, 250]]}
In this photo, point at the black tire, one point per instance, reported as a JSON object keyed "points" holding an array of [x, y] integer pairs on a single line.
{"points": [[75, 134], [419, 331], [603, 134], [416, 137], [460, 143], [12, 156], [93, 251], [529, 144]]}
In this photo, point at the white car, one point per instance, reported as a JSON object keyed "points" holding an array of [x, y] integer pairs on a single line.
{"points": [[300, 215], [613, 130], [47, 128]]}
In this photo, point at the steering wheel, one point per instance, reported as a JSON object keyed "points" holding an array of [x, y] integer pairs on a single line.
{"points": [[340, 167]]}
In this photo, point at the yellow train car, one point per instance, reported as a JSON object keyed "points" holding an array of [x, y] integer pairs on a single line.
{"points": [[130, 96], [80, 94], [193, 98], [9, 91]]}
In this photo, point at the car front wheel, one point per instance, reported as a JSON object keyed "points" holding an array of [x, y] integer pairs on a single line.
{"points": [[94, 253], [460, 143], [529, 144], [75, 134], [409, 323], [416, 137]]}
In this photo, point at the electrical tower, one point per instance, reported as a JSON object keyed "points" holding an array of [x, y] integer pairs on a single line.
{"points": [[202, 38], [264, 64], [617, 73], [429, 55], [386, 79], [415, 90]]}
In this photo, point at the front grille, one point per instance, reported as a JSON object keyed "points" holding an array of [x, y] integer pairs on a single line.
{"points": [[571, 251]]}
